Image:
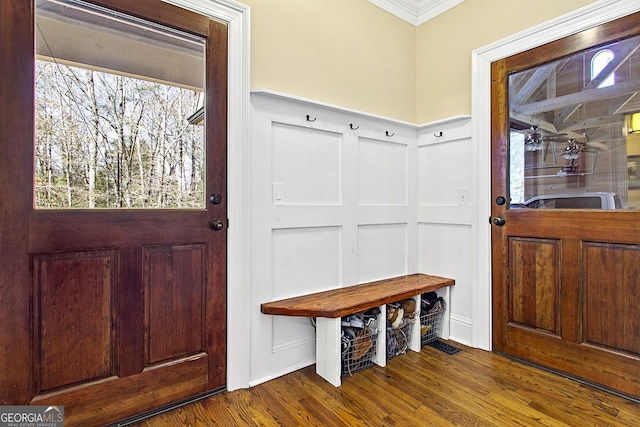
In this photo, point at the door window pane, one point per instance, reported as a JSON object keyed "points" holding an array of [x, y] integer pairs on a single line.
{"points": [[119, 111], [571, 145]]}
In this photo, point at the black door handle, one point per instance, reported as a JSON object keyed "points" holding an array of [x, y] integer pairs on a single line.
{"points": [[215, 198], [216, 224], [499, 221]]}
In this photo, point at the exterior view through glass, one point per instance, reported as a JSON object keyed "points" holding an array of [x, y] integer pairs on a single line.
{"points": [[119, 111]]}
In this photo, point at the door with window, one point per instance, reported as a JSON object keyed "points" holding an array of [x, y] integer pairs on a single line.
{"points": [[115, 214], [565, 198]]}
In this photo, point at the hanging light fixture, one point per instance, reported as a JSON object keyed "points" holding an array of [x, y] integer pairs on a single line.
{"points": [[573, 149], [533, 141]]}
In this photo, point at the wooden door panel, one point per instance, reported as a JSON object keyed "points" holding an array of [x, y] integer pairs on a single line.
{"points": [[534, 283], [612, 296], [590, 289], [565, 282], [74, 316], [175, 293]]}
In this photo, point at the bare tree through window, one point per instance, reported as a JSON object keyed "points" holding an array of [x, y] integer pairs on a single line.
{"points": [[108, 141], [114, 100]]}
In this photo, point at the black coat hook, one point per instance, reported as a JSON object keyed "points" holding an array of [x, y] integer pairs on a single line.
{"points": [[438, 135], [353, 128], [389, 133], [309, 119]]}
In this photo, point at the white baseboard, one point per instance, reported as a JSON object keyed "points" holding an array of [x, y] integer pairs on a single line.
{"points": [[288, 370], [461, 330]]}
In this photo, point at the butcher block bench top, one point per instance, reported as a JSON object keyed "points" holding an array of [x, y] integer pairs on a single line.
{"points": [[357, 298]]}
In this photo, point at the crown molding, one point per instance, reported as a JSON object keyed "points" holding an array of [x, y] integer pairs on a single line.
{"points": [[416, 12]]}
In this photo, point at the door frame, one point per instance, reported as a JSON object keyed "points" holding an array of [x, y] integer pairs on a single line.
{"points": [[587, 17], [236, 16]]}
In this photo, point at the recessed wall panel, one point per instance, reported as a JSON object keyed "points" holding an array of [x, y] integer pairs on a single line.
{"points": [[288, 332], [443, 169], [382, 173], [306, 165], [445, 250], [305, 260], [382, 251]]}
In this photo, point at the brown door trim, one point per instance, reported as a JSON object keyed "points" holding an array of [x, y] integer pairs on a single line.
{"points": [[16, 127]]}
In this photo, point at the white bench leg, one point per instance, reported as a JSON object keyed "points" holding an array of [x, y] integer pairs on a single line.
{"points": [[328, 349], [415, 343], [380, 358]]}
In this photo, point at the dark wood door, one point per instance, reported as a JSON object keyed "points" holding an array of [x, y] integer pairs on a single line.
{"points": [[566, 281], [110, 312]]}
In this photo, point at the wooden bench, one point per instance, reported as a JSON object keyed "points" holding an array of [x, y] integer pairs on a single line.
{"points": [[329, 307]]}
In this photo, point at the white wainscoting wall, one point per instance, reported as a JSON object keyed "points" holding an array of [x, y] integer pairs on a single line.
{"points": [[340, 197], [445, 213]]}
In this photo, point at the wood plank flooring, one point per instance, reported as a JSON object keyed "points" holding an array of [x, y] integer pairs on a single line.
{"points": [[430, 388]]}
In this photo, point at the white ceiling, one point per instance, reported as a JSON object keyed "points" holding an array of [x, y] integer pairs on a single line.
{"points": [[416, 12]]}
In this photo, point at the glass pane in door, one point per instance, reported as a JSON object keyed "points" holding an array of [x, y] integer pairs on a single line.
{"points": [[572, 143], [119, 111]]}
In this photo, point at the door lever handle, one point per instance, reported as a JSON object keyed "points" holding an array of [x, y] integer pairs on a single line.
{"points": [[499, 221]]}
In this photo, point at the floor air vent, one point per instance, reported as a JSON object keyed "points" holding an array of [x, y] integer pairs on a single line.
{"points": [[443, 346]]}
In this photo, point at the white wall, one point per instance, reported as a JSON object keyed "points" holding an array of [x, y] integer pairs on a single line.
{"points": [[445, 212], [333, 206]]}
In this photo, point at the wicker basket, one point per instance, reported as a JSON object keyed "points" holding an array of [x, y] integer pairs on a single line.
{"points": [[431, 323]]}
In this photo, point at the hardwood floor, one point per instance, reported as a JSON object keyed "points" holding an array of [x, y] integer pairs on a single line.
{"points": [[430, 388]]}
